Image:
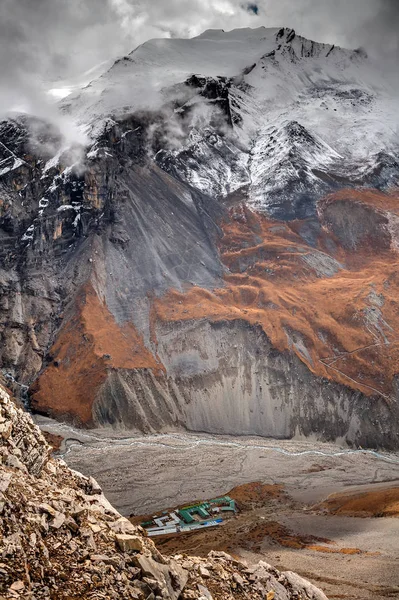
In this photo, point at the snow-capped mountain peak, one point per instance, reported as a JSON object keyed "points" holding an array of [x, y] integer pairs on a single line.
{"points": [[140, 79], [281, 107]]}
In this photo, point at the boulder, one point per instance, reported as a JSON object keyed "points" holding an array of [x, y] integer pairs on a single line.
{"points": [[129, 543], [172, 576], [123, 525], [5, 480], [307, 589]]}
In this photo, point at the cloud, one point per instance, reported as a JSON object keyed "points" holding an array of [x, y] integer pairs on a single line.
{"points": [[29, 56], [251, 8]]}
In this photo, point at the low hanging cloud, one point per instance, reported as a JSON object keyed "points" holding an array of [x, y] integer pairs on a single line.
{"points": [[49, 43]]}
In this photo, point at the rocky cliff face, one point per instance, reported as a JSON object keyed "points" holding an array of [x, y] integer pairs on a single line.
{"points": [[60, 538], [225, 260]]}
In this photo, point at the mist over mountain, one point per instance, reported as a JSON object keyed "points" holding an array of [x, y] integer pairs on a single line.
{"points": [[52, 43]]}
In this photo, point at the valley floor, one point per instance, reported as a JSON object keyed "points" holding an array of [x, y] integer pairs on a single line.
{"points": [[347, 557], [350, 557]]}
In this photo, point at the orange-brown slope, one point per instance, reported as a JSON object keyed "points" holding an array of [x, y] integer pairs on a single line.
{"points": [[366, 220], [87, 347], [336, 309], [375, 199], [368, 503]]}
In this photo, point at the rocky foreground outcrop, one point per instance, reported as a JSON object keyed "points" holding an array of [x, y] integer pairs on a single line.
{"points": [[60, 538]]}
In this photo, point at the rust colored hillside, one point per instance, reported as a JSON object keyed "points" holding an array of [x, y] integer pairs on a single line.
{"points": [[87, 347], [370, 503], [380, 201], [337, 309], [256, 494], [327, 291]]}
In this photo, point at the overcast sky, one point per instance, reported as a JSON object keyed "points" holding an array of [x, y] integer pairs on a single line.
{"points": [[50, 40]]}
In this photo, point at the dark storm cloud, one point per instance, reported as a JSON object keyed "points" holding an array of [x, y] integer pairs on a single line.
{"points": [[251, 8], [54, 40]]}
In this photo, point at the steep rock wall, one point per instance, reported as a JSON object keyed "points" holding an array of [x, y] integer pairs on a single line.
{"points": [[227, 378]]}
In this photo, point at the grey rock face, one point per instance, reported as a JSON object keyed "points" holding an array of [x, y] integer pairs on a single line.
{"points": [[226, 378], [143, 232]]}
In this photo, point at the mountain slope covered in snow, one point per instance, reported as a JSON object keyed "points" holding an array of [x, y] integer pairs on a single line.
{"points": [[263, 110]]}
